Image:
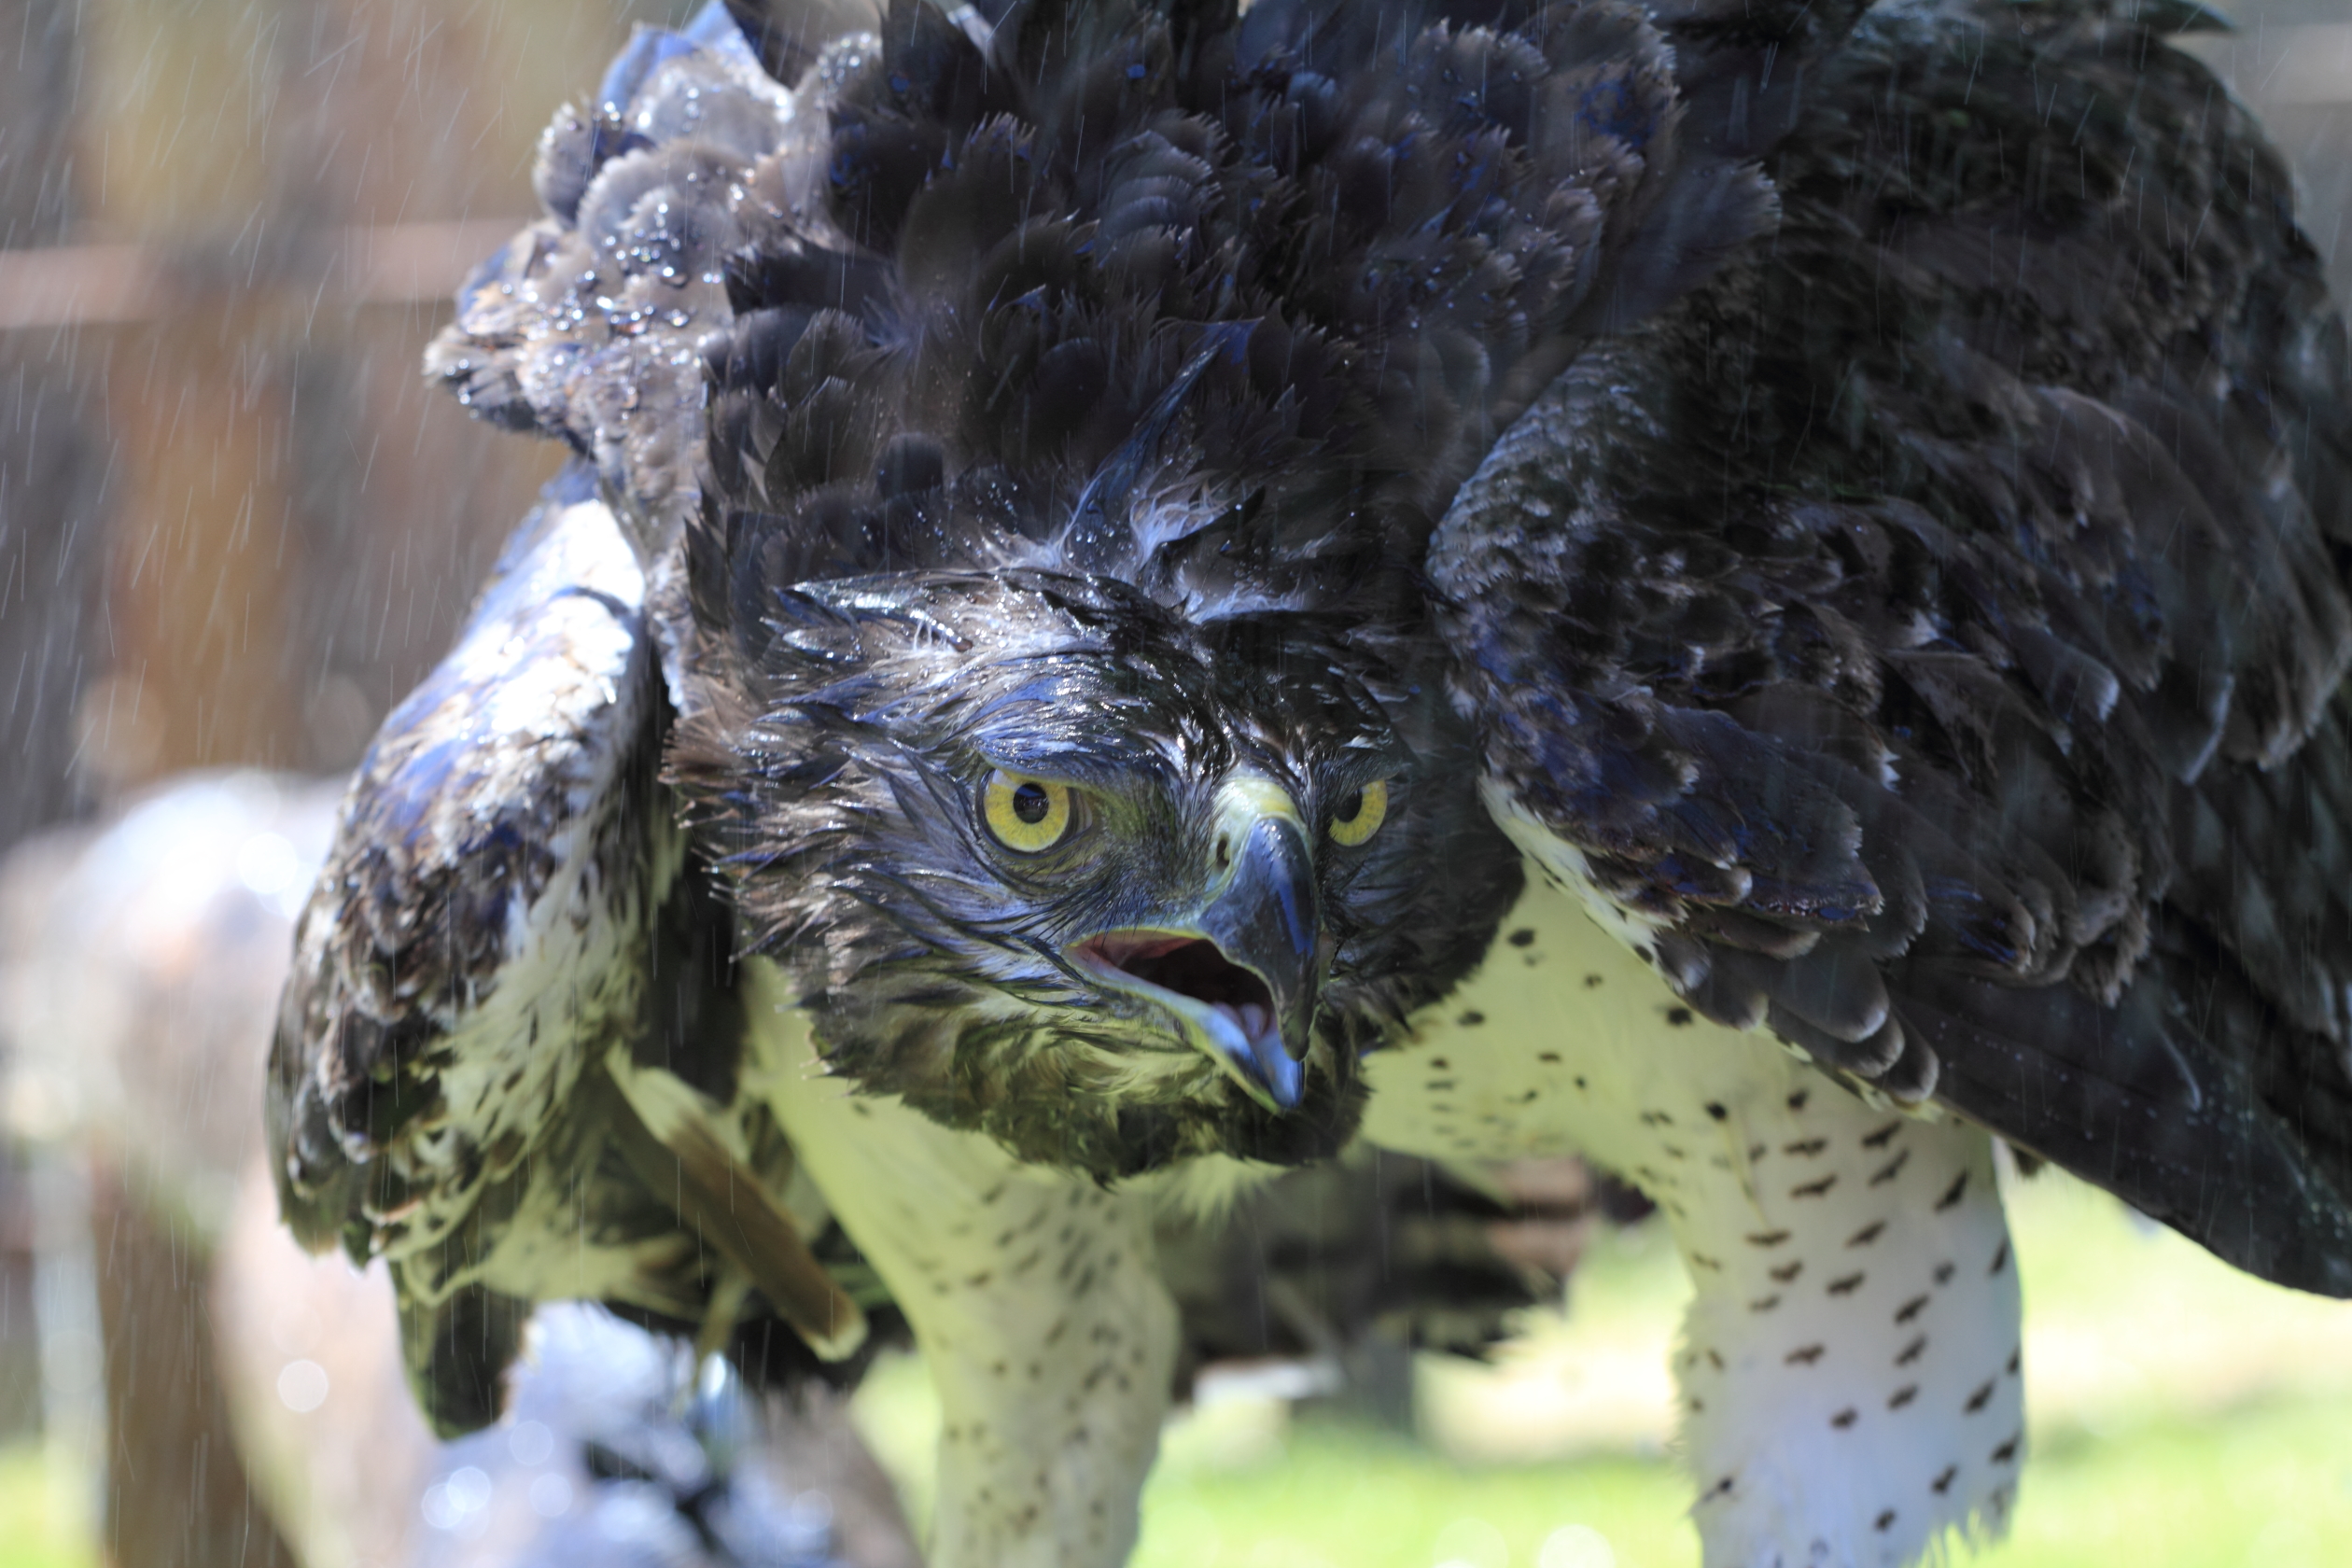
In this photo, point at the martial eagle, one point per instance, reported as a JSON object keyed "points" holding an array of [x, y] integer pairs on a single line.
{"points": [[1751, 587]]}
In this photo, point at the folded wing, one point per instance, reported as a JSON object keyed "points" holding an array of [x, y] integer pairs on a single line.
{"points": [[1926, 641]]}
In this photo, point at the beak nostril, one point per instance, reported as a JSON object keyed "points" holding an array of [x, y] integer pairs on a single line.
{"points": [[1224, 851]]}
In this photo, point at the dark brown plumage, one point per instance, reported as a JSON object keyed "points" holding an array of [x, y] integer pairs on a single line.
{"points": [[1969, 715]]}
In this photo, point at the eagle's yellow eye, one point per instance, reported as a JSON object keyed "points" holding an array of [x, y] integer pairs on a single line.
{"points": [[1361, 812], [1026, 814]]}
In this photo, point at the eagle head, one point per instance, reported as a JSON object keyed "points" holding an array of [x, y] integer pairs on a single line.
{"points": [[1049, 861]]}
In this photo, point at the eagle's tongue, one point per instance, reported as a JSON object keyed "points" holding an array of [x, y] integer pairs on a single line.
{"points": [[1282, 1077]]}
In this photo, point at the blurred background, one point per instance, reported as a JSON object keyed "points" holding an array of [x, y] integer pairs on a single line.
{"points": [[236, 526]]}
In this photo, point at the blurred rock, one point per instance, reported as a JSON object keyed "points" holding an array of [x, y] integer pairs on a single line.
{"points": [[139, 969], [614, 1453]]}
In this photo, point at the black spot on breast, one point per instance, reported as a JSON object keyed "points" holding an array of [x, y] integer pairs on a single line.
{"points": [[1643, 954], [2000, 1258], [1669, 1150], [1902, 1396], [1912, 1351], [1885, 1522], [1806, 1147], [1796, 1100], [1883, 1136], [1891, 1169], [1523, 937], [1953, 1194], [1702, 1261], [2016, 1356], [1678, 1017], [1844, 1418], [1979, 1399], [1471, 1019], [1845, 1286], [1766, 1237], [1716, 1111], [1656, 1118], [1787, 1272], [1581, 1083], [507, 1150], [1943, 1273], [1714, 1360], [1551, 1057], [2006, 1452], [1804, 1355], [1910, 1309], [1942, 1483], [1721, 1487], [1437, 1085], [1814, 1189], [1867, 1235], [1439, 1064], [1764, 1304], [1591, 981]]}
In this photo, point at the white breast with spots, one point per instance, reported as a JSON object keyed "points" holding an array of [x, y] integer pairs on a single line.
{"points": [[1849, 1364], [1034, 1294]]}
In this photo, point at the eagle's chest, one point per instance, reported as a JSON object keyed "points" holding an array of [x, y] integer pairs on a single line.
{"points": [[1563, 1041]]}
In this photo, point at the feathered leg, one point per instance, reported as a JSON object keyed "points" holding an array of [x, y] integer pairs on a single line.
{"points": [[1033, 1294], [1848, 1368]]}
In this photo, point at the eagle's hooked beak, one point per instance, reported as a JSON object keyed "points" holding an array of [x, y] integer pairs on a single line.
{"points": [[1242, 975]]}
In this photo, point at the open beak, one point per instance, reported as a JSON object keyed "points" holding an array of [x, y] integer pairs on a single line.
{"points": [[1242, 974]]}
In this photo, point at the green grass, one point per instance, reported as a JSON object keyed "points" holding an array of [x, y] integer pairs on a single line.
{"points": [[2264, 1487], [42, 1521], [1336, 1497]]}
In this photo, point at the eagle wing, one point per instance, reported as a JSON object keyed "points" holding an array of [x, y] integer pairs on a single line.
{"points": [[1925, 640], [476, 936], [506, 1058]]}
